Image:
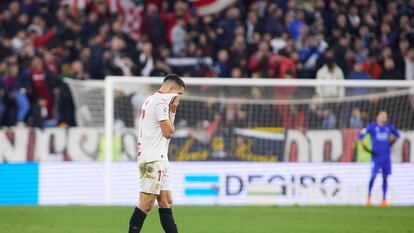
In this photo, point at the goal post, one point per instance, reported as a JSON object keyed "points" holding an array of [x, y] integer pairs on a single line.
{"points": [[275, 94], [241, 119]]}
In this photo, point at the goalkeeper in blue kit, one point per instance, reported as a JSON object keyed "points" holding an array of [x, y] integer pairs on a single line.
{"points": [[383, 136]]}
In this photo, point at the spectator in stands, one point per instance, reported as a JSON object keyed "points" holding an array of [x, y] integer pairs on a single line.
{"points": [[96, 60], [356, 121], [238, 53], [330, 71], [78, 71], [348, 110], [409, 65], [152, 25], [358, 73], [227, 26], [343, 54], [146, 60], [252, 25], [372, 66], [90, 27], [39, 33], [222, 66], [50, 63], [169, 18], [328, 119], [295, 26], [389, 70], [120, 61], [16, 85], [361, 52], [236, 73], [258, 62], [313, 113], [2, 95], [309, 53], [161, 69], [64, 105], [274, 22], [43, 83], [40, 112], [179, 37]]}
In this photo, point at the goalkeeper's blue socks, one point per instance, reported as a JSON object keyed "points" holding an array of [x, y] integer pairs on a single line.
{"points": [[371, 184], [167, 220], [137, 220], [384, 187]]}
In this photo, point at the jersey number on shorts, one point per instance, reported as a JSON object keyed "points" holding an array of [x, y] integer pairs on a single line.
{"points": [[159, 175]]}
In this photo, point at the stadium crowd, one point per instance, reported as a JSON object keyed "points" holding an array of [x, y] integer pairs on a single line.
{"points": [[42, 41]]}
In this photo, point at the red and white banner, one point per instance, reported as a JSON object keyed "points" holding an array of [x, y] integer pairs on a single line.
{"points": [[76, 5], [206, 7], [130, 12]]}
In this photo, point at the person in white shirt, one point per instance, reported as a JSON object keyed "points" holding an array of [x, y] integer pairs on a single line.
{"points": [[330, 71], [409, 65], [155, 131]]}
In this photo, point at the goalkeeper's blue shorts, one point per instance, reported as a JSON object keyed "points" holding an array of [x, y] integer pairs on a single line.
{"points": [[381, 166]]}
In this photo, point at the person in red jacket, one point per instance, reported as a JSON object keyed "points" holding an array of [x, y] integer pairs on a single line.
{"points": [[39, 33], [259, 61], [42, 84], [372, 66], [170, 19]]}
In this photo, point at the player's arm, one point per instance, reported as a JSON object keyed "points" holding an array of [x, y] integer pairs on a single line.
{"points": [[394, 135], [167, 128], [361, 136], [166, 115]]}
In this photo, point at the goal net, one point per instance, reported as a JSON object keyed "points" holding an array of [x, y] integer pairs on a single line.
{"points": [[250, 119]]}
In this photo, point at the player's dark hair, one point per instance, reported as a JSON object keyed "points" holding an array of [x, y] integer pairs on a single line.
{"points": [[175, 78]]}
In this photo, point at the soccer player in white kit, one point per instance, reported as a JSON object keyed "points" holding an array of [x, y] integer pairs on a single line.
{"points": [[155, 130]]}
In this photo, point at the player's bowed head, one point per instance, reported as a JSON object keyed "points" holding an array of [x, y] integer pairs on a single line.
{"points": [[173, 84]]}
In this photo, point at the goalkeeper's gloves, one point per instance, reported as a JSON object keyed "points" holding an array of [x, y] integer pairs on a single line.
{"points": [[369, 150]]}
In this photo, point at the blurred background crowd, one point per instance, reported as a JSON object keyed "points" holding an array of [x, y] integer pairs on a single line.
{"points": [[42, 41]]}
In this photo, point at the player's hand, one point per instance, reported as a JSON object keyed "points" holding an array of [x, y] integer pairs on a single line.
{"points": [[369, 150], [393, 139], [174, 104]]}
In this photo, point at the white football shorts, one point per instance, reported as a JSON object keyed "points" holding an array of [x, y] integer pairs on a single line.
{"points": [[154, 177]]}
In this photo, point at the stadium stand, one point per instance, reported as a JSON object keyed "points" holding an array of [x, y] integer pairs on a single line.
{"points": [[43, 41]]}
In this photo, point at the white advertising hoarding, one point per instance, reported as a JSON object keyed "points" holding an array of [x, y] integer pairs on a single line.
{"points": [[226, 183]]}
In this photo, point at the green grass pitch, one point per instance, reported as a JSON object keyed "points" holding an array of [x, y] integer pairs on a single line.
{"points": [[214, 219]]}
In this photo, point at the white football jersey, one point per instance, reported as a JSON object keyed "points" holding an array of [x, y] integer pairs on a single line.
{"points": [[152, 145]]}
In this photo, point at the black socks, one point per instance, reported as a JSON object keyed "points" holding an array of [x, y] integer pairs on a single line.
{"points": [[167, 220], [137, 220]]}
